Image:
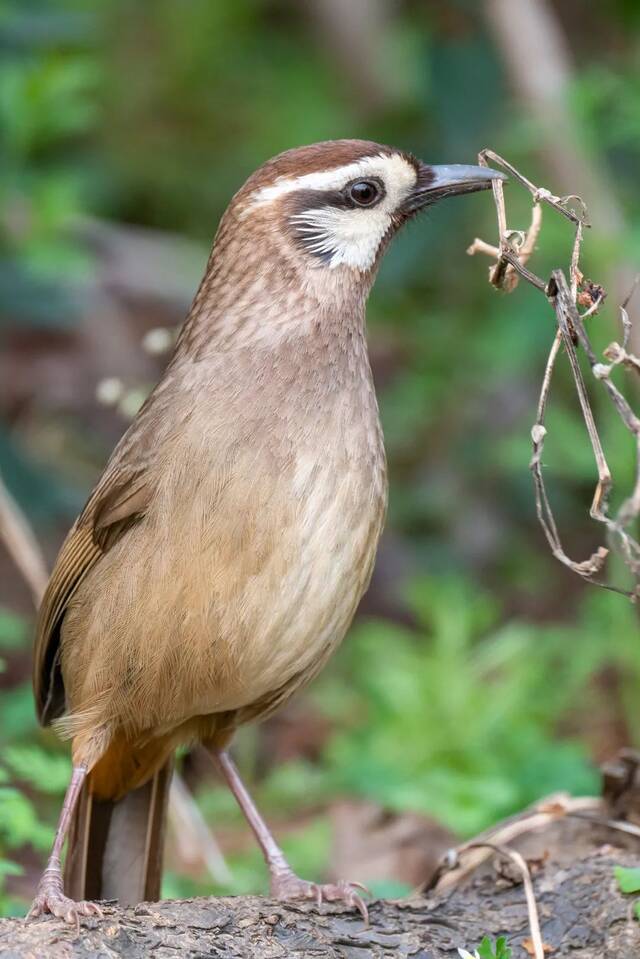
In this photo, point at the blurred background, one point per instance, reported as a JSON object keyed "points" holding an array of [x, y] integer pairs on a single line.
{"points": [[480, 674]]}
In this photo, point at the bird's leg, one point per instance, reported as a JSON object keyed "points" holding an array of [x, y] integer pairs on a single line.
{"points": [[50, 897], [284, 882]]}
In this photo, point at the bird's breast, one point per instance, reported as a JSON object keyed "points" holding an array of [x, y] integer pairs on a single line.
{"points": [[280, 535], [306, 517], [247, 568]]}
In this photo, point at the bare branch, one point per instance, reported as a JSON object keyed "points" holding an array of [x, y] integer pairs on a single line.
{"points": [[532, 909], [22, 545], [514, 249]]}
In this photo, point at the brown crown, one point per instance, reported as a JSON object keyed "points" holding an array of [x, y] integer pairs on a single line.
{"points": [[316, 157]]}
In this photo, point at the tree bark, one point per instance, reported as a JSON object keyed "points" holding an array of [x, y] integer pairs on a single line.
{"points": [[582, 915], [571, 848]]}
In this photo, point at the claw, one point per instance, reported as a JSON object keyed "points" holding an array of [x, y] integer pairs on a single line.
{"points": [[52, 900], [345, 891], [361, 906], [360, 885], [289, 887]]}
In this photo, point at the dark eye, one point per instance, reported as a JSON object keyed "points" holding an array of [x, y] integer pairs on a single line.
{"points": [[364, 192]]}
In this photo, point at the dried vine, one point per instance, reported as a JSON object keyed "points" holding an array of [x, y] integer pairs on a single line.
{"points": [[573, 301]]}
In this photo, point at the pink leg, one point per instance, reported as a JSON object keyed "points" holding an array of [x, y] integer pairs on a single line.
{"points": [[50, 897], [284, 882]]}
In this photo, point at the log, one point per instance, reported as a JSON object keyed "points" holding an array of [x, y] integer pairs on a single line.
{"points": [[583, 916], [571, 848]]}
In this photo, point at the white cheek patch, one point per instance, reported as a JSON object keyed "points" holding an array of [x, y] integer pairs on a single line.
{"points": [[349, 237]]}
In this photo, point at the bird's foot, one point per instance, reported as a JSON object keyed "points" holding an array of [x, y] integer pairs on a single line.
{"points": [[287, 886], [51, 900]]}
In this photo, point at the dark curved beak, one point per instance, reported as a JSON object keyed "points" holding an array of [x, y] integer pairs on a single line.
{"points": [[436, 182]]}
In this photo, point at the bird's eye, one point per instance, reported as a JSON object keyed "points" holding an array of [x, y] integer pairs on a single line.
{"points": [[364, 192]]}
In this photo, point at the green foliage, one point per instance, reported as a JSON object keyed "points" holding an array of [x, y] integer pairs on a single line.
{"points": [[486, 949], [19, 822], [28, 769], [457, 717], [628, 878], [38, 767], [47, 103]]}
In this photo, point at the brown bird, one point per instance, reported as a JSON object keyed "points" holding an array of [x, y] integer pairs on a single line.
{"points": [[220, 559]]}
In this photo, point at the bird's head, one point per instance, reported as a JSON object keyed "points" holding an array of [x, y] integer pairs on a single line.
{"points": [[334, 206], [307, 231]]}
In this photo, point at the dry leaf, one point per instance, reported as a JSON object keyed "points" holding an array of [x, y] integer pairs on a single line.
{"points": [[528, 946]]}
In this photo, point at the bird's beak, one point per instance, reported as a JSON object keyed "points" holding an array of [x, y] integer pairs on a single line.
{"points": [[435, 182]]}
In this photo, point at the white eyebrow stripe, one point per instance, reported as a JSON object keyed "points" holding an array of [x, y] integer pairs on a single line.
{"points": [[337, 178]]}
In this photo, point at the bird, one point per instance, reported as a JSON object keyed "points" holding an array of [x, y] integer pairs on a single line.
{"points": [[222, 554]]}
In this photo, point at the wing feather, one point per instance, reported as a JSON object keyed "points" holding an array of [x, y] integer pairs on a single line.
{"points": [[118, 502]]}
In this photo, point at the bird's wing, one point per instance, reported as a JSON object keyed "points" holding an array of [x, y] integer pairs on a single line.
{"points": [[120, 500]]}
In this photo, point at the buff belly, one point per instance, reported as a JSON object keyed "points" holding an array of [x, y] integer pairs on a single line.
{"points": [[235, 607]]}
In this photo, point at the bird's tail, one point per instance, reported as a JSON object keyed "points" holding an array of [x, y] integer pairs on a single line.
{"points": [[115, 846]]}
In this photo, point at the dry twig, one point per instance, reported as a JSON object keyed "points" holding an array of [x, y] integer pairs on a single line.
{"points": [[457, 865], [512, 253], [532, 909], [453, 871], [22, 545]]}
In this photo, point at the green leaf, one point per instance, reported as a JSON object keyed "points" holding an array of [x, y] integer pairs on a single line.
{"points": [[47, 771], [628, 879], [500, 951], [20, 823]]}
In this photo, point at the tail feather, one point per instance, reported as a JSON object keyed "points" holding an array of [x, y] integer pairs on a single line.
{"points": [[116, 846]]}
